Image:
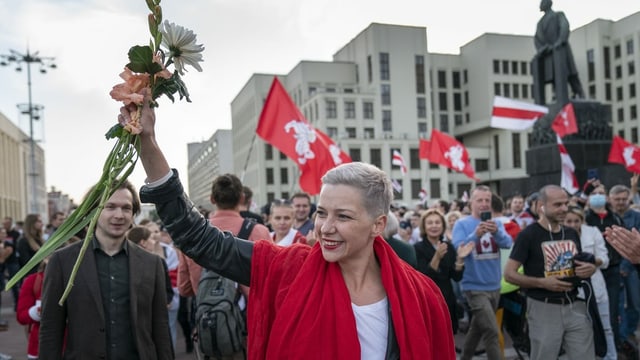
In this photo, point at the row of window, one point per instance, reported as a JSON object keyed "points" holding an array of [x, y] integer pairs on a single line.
{"points": [[514, 91], [455, 79], [383, 62], [349, 108], [591, 64], [312, 90], [633, 114], [617, 49], [607, 92], [634, 134], [385, 74], [444, 121], [457, 101], [513, 67]]}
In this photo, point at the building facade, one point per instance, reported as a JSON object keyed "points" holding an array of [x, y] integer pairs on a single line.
{"points": [[16, 195], [59, 201], [207, 160], [384, 91]]}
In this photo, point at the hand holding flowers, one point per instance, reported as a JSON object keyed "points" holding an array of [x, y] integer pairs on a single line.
{"points": [[146, 78]]}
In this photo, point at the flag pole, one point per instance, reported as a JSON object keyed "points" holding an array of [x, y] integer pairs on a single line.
{"points": [[246, 163], [292, 181]]}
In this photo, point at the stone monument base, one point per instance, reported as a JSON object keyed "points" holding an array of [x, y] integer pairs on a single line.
{"points": [[589, 148]]}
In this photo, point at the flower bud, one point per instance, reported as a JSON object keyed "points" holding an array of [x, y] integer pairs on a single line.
{"points": [[158, 13], [153, 25]]}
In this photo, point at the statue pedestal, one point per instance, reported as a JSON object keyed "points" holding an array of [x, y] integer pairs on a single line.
{"points": [[589, 148]]}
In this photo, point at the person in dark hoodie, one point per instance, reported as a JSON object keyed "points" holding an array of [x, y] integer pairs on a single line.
{"points": [[402, 248], [599, 213]]}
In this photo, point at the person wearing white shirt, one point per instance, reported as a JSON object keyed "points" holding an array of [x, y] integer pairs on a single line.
{"points": [[281, 218]]}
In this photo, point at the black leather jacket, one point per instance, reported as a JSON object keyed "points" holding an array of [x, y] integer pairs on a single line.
{"points": [[211, 248]]}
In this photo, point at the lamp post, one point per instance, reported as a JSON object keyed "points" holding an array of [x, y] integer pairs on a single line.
{"points": [[32, 110]]}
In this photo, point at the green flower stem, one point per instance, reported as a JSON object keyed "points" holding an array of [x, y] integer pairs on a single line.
{"points": [[87, 240], [123, 155], [119, 164]]}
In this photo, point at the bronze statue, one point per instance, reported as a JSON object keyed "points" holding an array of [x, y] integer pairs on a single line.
{"points": [[553, 62]]}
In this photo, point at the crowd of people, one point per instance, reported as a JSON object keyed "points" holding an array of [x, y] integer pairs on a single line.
{"points": [[391, 281]]}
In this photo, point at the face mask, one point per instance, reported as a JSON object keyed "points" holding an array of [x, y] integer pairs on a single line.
{"points": [[597, 200]]}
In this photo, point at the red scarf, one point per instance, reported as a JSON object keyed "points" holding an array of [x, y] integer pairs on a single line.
{"points": [[300, 307]]}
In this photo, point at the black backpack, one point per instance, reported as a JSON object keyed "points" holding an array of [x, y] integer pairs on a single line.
{"points": [[219, 321]]}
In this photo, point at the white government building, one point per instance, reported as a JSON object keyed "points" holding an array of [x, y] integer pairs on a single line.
{"points": [[384, 91]]}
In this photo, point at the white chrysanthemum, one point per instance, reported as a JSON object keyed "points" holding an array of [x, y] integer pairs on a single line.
{"points": [[182, 47]]}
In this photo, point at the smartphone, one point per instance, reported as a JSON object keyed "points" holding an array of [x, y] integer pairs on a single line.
{"points": [[485, 215], [574, 280], [592, 174]]}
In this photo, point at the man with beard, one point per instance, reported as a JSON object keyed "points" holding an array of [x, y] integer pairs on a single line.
{"points": [[546, 249], [302, 204]]}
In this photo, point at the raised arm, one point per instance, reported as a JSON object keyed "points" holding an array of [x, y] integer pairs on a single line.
{"points": [[192, 234], [153, 160]]}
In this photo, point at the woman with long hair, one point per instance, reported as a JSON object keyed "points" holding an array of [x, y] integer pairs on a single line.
{"points": [[30, 241], [438, 258]]}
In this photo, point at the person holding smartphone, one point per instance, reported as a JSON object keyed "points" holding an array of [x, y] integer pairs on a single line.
{"points": [[481, 279]]}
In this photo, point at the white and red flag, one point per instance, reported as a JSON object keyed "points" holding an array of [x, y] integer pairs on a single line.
{"points": [[396, 186], [398, 160], [282, 125], [449, 152], [565, 122], [515, 115], [423, 195], [625, 153], [568, 179]]}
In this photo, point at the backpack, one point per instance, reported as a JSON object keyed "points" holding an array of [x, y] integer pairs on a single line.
{"points": [[219, 321]]}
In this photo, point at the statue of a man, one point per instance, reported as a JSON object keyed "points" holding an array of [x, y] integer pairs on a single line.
{"points": [[553, 62]]}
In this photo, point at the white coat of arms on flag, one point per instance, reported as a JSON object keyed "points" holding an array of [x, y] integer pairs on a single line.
{"points": [[304, 135]]}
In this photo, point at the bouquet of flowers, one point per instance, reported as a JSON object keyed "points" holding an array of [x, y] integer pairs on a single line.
{"points": [[146, 73]]}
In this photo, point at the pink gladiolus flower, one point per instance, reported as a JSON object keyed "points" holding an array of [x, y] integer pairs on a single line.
{"points": [[134, 125], [165, 74], [129, 91]]}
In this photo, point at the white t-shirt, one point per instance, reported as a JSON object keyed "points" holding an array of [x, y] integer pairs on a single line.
{"points": [[415, 236], [372, 323], [288, 239]]}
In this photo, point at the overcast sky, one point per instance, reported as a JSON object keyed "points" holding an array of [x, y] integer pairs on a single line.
{"points": [[90, 40]]}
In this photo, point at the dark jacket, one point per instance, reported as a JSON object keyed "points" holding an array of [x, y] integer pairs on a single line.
{"points": [[593, 219], [208, 246], [82, 315], [404, 251], [443, 276]]}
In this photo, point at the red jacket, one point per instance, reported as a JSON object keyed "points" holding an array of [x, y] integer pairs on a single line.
{"points": [[30, 291]]}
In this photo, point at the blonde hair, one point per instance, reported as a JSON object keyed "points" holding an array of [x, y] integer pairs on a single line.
{"points": [[371, 182], [577, 211], [423, 231]]}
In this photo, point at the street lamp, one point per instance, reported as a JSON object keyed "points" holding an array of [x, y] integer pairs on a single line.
{"points": [[32, 110]]}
